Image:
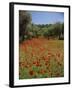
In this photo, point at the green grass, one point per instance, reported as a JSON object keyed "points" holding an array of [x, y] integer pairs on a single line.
{"points": [[41, 58]]}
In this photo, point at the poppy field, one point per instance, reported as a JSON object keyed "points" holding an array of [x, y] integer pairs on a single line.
{"points": [[41, 58]]}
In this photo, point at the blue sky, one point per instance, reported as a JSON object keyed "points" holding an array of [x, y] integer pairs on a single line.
{"points": [[39, 17]]}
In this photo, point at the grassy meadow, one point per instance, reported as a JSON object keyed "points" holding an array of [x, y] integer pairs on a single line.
{"points": [[41, 58]]}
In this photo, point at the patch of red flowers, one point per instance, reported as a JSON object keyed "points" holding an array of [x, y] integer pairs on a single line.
{"points": [[38, 54], [31, 72]]}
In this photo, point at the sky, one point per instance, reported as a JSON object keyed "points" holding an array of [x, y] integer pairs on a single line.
{"points": [[39, 17]]}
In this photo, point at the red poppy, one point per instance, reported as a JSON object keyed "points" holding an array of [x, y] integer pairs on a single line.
{"points": [[42, 71], [31, 72]]}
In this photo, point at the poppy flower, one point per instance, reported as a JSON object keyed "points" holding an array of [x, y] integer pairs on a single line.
{"points": [[31, 72], [42, 71]]}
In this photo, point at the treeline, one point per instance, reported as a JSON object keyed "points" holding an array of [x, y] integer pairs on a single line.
{"points": [[28, 30]]}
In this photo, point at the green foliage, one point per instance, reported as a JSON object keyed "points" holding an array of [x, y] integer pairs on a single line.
{"points": [[52, 30], [28, 30], [24, 21]]}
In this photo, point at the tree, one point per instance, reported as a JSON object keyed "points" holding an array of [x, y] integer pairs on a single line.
{"points": [[57, 29], [24, 20], [35, 30], [62, 32], [62, 28]]}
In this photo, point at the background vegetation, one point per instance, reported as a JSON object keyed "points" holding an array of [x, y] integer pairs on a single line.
{"points": [[29, 30]]}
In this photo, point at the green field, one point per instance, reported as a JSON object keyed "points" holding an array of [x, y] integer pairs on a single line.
{"points": [[41, 58]]}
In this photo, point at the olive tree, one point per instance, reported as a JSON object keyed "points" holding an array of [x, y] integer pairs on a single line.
{"points": [[24, 20]]}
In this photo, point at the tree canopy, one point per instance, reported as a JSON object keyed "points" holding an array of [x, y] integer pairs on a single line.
{"points": [[28, 30]]}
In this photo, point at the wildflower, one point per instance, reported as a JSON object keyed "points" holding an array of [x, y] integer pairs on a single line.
{"points": [[31, 72], [42, 71]]}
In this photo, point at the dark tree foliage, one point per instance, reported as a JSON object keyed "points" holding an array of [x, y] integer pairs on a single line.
{"points": [[24, 20]]}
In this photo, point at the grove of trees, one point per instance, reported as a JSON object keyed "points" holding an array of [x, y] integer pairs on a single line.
{"points": [[28, 30]]}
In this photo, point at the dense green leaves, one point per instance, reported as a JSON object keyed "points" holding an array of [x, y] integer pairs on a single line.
{"points": [[28, 30], [24, 21]]}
